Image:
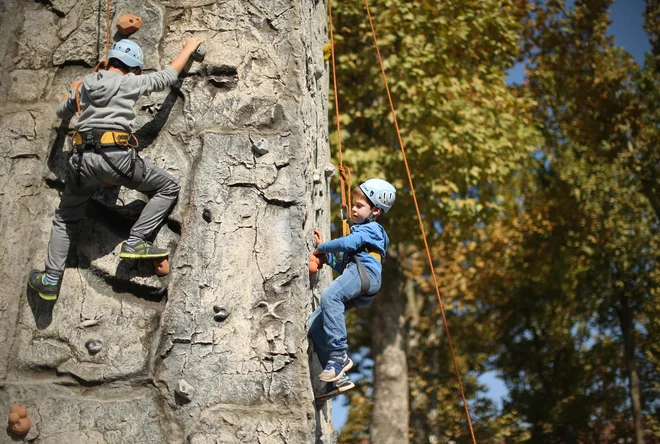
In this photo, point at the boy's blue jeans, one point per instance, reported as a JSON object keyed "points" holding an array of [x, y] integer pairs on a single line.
{"points": [[327, 326]]}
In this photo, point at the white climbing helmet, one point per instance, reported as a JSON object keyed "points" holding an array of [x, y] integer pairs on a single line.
{"points": [[380, 193], [128, 52]]}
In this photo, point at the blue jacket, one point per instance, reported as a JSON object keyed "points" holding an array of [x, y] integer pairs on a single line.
{"points": [[369, 234]]}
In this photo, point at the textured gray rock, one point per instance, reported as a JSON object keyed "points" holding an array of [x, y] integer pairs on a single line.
{"points": [[217, 351]]}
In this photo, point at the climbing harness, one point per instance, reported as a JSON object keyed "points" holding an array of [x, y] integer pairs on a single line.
{"points": [[365, 282], [100, 142], [412, 189]]}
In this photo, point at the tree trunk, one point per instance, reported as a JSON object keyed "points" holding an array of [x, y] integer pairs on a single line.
{"points": [[217, 350], [628, 332], [389, 423]]}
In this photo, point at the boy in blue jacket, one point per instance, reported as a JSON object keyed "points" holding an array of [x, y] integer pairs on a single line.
{"points": [[357, 257]]}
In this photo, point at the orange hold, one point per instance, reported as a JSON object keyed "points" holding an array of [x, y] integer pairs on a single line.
{"points": [[128, 24], [22, 426], [19, 410], [162, 266], [314, 264], [13, 418]]}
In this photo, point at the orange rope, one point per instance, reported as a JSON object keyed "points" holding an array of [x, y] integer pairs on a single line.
{"points": [[345, 179], [78, 99], [421, 225], [102, 63], [107, 29], [344, 171]]}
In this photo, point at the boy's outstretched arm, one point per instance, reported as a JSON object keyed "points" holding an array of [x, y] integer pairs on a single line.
{"points": [[180, 61], [345, 244], [158, 81]]}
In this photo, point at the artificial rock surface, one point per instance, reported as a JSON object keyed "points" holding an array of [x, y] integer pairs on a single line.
{"points": [[217, 351]]}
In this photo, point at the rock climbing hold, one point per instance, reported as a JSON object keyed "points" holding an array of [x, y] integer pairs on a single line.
{"points": [[184, 390], [128, 24], [199, 53], [19, 410], [94, 346], [162, 266], [260, 145], [220, 313], [22, 426], [314, 264], [329, 170], [319, 71], [206, 215], [13, 418], [316, 261]]}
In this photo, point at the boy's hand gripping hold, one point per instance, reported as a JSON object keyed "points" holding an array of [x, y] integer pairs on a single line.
{"points": [[317, 259]]}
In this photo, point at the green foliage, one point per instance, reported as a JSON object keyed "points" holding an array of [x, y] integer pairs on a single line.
{"points": [[468, 138], [546, 202], [464, 131], [586, 245]]}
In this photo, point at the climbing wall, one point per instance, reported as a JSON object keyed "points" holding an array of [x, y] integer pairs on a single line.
{"points": [[216, 352]]}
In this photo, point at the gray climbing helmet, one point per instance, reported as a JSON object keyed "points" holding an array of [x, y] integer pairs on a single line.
{"points": [[128, 52], [380, 193]]}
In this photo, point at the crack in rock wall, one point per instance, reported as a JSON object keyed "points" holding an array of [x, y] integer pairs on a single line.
{"points": [[217, 351]]}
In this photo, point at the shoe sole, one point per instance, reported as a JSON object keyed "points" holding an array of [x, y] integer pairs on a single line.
{"points": [[45, 297], [142, 256], [334, 394], [346, 368]]}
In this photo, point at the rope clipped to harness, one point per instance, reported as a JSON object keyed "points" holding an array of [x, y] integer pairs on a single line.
{"points": [[345, 184], [344, 171]]}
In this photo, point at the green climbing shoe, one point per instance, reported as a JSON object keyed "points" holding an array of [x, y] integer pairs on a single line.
{"points": [[47, 292], [141, 250]]}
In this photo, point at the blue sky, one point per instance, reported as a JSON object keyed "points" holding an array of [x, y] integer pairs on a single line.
{"points": [[628, 30]]}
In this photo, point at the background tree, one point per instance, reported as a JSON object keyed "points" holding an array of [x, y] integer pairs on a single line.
{"points": [[578, 311], [466, 134]]}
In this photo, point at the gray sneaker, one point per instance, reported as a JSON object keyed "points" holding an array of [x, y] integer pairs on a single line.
{"points": [[343, 385], [141, 250], [335, 368]]}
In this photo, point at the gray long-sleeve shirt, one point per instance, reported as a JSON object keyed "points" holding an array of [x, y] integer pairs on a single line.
{"points": [[107, 98]]}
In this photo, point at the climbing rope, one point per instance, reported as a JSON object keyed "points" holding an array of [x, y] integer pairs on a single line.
{"points": [[419, 218], [107, 28], [101, 63], [344, 171], [412, 189], [78, 99], [104, 63]]}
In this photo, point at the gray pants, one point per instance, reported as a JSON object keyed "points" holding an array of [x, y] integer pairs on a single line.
{"points": [[162, 187]]}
